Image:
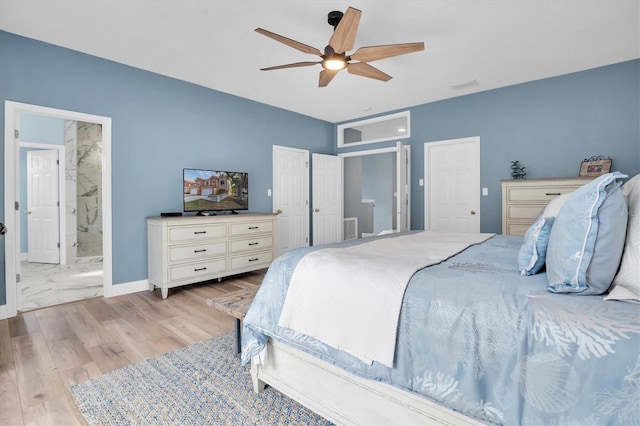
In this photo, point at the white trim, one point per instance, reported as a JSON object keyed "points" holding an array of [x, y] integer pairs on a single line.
{"points": [[130, 287], [62, 222], [12, 111], [340, 129], [4, 312], [427, 152]]}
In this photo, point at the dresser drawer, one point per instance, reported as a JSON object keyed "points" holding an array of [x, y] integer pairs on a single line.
{"points": [[196, 251], [537, 194], [249, 228], [183, 234], [521, 211], [195, 270], [251, 260], [258, 243], [516, 228]]}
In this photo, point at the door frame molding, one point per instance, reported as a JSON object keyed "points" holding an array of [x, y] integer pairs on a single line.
{"points": [[427, 183], [12, 111], [62, 225]]}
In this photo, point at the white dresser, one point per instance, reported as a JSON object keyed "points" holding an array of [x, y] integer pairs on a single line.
{"points": [[523, 199], [189, 249]]}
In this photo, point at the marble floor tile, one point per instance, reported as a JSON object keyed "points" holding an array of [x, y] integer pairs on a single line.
{"points": [[45, 284]]}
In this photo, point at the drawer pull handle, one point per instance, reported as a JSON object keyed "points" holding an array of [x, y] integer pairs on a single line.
{"points": [[553, 193], [253, 244], [200, 269], [200, 251], [199, 232], [253, 227], [253, 260]]}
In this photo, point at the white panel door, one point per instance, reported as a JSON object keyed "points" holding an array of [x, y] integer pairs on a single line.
{"points": [[327, 199], [452, 187], [42, 206], [291, 197], [402, 189]]}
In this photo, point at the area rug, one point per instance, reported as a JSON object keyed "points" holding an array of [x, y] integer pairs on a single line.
{"points": [[202, 384]]}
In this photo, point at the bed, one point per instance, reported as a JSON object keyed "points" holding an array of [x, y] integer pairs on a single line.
{"points": [[486, 335]]}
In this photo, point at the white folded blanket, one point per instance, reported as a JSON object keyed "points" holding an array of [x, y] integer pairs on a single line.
{"points": [[350, 297]]}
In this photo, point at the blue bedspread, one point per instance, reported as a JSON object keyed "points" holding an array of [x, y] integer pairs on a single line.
{"points": [[479, 338]]}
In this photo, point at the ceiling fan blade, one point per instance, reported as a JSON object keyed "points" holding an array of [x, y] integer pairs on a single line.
{"points": [[365, 70], [344, 36], [373, 53], [326, 76], [292, 43], [294, 65]]}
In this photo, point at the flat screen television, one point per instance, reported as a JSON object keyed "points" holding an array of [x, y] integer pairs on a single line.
{"points": [[214, 191]]}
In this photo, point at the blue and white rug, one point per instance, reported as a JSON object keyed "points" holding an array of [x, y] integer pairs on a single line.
{"points": [[202, 384]]}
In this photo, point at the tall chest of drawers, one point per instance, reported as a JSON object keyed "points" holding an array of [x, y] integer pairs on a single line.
{"points": [[189, 249], [523, 199]]}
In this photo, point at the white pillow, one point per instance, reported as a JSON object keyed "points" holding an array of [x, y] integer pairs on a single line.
{"points": [[626, 284], [553, 207]]}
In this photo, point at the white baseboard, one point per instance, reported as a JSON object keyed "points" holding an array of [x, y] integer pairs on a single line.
{"points": [[3, 312], [128, 288]]}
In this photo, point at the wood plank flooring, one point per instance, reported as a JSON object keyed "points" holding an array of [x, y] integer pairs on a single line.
{"points": [[44, 352]]}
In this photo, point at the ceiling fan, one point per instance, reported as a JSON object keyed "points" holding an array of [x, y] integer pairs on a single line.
{"points": [[335, 57]]}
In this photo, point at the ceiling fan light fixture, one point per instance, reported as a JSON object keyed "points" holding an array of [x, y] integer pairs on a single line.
{"points": [[334, 63]]}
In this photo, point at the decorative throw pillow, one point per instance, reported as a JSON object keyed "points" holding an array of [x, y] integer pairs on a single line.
{"points": [[533, 251], [626, 284], [587, 238]]}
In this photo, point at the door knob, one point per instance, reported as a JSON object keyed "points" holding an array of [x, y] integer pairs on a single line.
{"points": [[3, 229], [279, 211], [473, 212], [316, 210], [27, 212]]}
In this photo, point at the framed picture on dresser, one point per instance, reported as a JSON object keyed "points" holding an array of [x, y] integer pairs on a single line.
{"points": [[595, 166]]}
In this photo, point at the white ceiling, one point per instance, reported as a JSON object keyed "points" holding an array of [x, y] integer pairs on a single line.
{"points": [[212, 43]]}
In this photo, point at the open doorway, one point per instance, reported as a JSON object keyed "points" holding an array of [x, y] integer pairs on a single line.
{"points": [[81, 266], [60, 201], [371, 189]]}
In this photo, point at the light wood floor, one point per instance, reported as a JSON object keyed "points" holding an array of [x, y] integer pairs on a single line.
{"points": [[44, 352]]}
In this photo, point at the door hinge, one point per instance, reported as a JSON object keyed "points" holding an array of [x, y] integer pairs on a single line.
{"points": [[58, 203], [306, 164], [306, 202], [17, 278], [58, 245], [17, 205], [306, 239], [16, 133], [58, 162]]}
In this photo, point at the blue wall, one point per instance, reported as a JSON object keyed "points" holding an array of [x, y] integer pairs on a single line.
{"points": [[161, 125], [549, 125]]}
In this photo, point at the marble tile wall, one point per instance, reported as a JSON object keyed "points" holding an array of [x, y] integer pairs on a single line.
{"points": [[89, 189], [71, 154]]}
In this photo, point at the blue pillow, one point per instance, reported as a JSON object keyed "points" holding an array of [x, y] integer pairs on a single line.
{"points": [[533, 251], [587, 238]]}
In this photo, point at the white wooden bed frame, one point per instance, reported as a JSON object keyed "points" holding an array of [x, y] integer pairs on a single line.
{"points": [[342, 397]]}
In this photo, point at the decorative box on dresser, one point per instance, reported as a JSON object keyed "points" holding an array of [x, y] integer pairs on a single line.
{"points": [[523, 199], [190, 249]]}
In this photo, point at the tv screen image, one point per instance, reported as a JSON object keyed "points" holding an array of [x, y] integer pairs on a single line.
{"points": [[215, 190]]}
